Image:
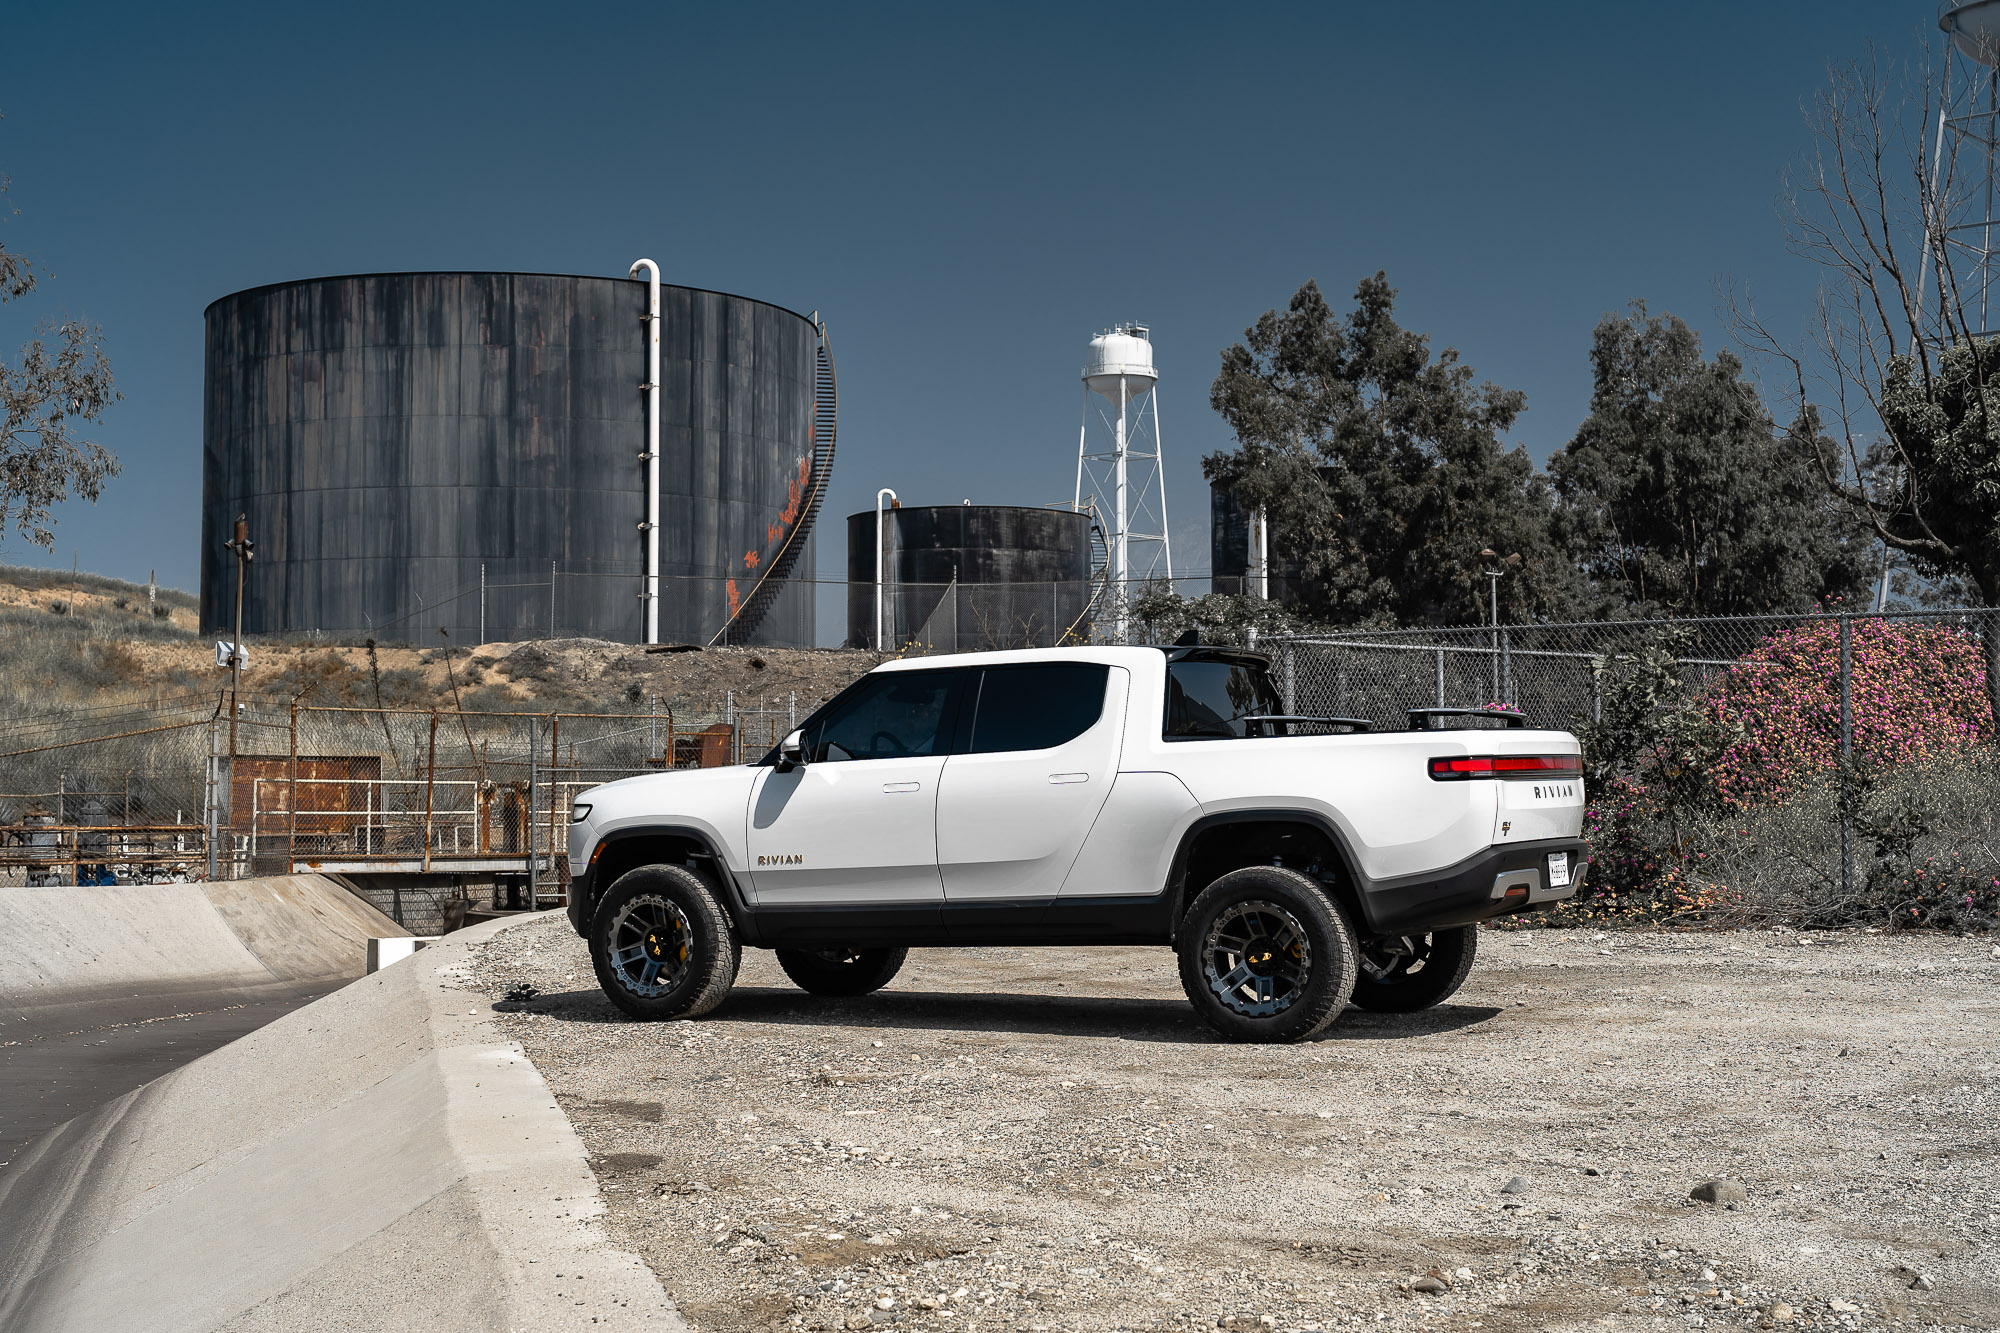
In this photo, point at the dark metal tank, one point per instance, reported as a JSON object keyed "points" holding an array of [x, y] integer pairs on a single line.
{"points": [[390, 434], [966, 578]]}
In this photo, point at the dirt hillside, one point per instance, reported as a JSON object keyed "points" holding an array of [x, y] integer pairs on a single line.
{"points": [[83, 640]]}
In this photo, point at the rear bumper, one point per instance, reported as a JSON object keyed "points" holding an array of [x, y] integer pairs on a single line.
{"points": [[1499, 881]]}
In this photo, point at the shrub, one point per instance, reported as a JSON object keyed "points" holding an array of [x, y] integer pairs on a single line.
{"points": [[1724, 801], [1917, 690], [1220, 618]]}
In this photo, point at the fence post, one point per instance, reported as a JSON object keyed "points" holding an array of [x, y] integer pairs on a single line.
{"points": [[292, 798], [209, 816], [1846, 757], [792, 712], [652, 726], [557, 827], [430, 788], [1440, 665], [1506, 667], [534, 867]]}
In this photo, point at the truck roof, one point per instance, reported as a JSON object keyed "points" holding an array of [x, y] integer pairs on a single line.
{"points": [[1107, 655]]}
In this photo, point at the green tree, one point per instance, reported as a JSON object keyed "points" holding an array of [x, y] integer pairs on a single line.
{"points": [[1678, 498], [1383, 469], [62, 378]]}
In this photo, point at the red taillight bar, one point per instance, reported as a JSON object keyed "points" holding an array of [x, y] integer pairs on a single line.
{"points": [[1460, 768]]}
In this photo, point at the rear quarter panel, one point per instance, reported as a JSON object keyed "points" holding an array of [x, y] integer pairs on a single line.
{"points": [[1376, 789]]}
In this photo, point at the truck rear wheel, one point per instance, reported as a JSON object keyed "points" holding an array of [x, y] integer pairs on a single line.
{"points": [[842, 971], [1266, 955], [1402, 974], [662, 945]]}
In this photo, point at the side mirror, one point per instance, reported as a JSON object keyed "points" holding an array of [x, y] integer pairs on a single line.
{"points": [[792, 752]]}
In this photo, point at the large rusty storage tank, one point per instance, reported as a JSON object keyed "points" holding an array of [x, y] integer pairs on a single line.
{"points": [[966, 578], [466, 451]]}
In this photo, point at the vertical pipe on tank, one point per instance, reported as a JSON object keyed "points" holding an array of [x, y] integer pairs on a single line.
{"points": [[1260, 571], [881, 544], [652, 454], [1160, 477]]}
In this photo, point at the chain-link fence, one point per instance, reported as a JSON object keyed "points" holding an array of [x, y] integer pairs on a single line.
{"points": [[411, 797], [1557, 673], [956, 615], [1827, 768]]}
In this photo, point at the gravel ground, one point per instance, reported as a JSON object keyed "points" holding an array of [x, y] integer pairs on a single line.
{"points": [[1021, 1141]]}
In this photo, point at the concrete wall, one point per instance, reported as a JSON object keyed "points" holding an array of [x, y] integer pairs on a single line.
{"points": [[382, 1159], [95, 956], [389, 434]]}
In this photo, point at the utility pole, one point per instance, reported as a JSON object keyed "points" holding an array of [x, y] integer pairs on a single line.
{"points": [[245, 551]]}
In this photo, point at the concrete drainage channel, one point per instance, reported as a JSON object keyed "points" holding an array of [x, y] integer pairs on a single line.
{"points": [[379, 1158]]}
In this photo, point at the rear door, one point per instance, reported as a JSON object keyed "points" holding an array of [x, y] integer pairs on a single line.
{"points": [[1038, 753]]}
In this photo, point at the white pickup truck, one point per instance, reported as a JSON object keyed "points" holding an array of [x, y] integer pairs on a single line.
{"points": [[1085, 796]]}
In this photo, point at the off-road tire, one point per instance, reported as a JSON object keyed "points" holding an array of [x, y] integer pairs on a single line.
{"points": [[662, 945], [1272, 1000], [1431, 975], [842, 971]]}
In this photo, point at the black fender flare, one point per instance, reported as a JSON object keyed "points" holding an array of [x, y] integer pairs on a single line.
{"points": [[585, 890], [1356, 899]]}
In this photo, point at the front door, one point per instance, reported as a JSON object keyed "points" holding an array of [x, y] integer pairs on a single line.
{"points": [[1042, 749], [857, 823]]}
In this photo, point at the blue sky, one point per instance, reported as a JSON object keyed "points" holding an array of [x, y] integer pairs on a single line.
{"points": [[965, 192]]}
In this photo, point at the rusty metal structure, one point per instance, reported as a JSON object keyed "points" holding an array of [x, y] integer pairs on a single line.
{"points": [[374, 794], [467, 452]]}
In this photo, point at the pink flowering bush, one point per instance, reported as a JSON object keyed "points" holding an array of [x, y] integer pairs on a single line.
{"points": [[1918, 690], [1722, 800]]}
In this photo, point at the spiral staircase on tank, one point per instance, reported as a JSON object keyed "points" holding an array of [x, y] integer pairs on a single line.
{"points": [[750, 612], [1098, 596]]}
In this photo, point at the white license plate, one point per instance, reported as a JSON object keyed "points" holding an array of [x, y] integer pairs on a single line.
{"points": [[1558, 870]]}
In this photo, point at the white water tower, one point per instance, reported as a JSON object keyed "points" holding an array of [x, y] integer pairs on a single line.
{"points": [[1118, 470], [1965, 171]]}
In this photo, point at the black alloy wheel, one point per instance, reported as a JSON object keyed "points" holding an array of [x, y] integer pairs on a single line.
{"points": [[662, 945], [1401, 974], [842, 971], [1266, 955]]}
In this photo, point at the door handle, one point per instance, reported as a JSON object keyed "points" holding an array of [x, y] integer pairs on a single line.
{"points": [[1069, 777], [902, 786]]}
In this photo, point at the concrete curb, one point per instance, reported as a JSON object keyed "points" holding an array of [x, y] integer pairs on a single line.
{"points": [[380, 1158]]}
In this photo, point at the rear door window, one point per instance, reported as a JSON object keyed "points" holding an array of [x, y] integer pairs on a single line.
{"points": [[1036, 707], [1208, 700]]}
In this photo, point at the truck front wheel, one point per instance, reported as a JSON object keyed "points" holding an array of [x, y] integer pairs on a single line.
{"points": [[1266, 955], [1405, 973], [662, 945]]}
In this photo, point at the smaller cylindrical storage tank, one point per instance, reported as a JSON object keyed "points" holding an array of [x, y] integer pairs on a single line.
{"points": [[970, 578]]}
